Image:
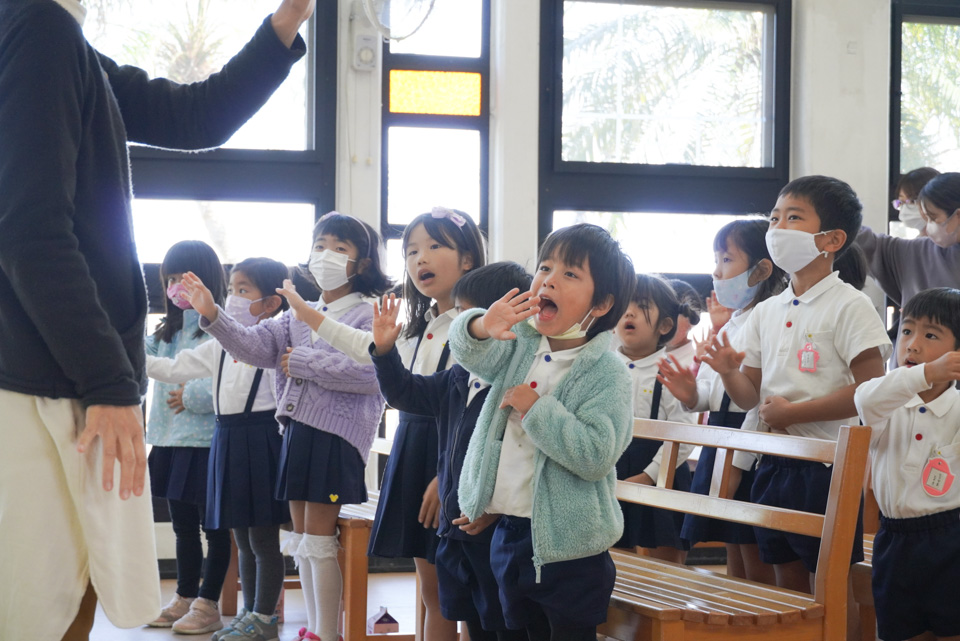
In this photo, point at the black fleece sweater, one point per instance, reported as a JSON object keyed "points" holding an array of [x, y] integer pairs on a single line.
{"points": [[72, 298]]}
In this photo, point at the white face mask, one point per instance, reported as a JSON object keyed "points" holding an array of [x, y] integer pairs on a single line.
{"points": [[911, 217], [238, 308], [329, 268], [793, 249], [945, 234], [736, 292], [577, 330]]}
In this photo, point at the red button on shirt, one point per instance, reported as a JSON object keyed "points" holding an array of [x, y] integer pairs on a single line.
{"points": [[429, 336], [533, 385], [919, 437], [789, 324]]}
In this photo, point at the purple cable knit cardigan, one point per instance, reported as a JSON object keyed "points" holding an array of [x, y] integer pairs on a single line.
{"points": [[326, 389]]}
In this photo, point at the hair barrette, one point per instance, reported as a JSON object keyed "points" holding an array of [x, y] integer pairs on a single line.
{"points": [[452, 216]]}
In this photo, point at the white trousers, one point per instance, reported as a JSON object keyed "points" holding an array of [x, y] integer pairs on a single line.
{"points": [[59, 529]]}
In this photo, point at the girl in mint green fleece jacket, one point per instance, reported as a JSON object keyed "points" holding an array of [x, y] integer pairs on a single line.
{"points": [[556, 420]]}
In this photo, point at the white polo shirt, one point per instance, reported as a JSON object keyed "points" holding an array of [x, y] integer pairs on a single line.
{"points": [[333, 311], [804, 345], [431, 345], [907, 435], [513, 492], [643, 376]]}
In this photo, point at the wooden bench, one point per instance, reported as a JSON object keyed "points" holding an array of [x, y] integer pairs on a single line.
{"points": [[862, 575], [655, 600], [355, 523]]}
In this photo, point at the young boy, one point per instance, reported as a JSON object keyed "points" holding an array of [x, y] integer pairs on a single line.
{"points": [[804, 353], [547, 463], [467, 589], [915, 414]]}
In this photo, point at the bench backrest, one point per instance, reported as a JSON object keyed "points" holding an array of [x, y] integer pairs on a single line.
{"points": [[836, 528]]}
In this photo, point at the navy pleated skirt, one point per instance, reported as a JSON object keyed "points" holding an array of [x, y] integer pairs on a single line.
{"points": [[698, 528], [319, 467], [242, 478], [410, 468], [646, 526], [179, 473]]}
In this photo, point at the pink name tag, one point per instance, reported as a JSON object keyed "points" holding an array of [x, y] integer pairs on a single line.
{"points": [[936, 477], [808, 358]]}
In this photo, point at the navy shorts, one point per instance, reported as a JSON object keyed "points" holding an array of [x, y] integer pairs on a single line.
{"points": [[468, 589], [796, 485], [571, 594], [916, 569]]}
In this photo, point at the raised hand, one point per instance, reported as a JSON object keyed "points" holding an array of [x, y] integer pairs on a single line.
{"points": [[386, 330], [944, 369], [288, 17], [721, 356], [719, 315], [679, 380], [514, 307], [200, 297], [294, 299]]}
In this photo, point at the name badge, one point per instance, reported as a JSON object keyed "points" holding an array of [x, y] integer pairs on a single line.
{"points": [[808, 358], [936, 477]]}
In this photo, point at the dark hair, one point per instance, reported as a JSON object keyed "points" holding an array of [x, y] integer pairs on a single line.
{"points": [[835, 202], [653, 289], [611, 269], [750, 237], [941, 305], [466, 239], [188, 256], [266, 275], [912, 182], [852, 266], [943, 191], [690, 304], [486, 285], [371, 281]]}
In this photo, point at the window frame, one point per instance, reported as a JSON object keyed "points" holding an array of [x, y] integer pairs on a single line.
{"points": [[670, 188], [903, 11], [480, 123]]}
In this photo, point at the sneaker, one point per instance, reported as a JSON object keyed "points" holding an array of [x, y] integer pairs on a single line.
{"points": [[204, 616], [306, 635], [234, 624], [253, 629], [172, 612]]}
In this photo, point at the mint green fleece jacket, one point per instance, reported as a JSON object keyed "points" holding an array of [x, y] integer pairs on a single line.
{"points": [[580, 429]]}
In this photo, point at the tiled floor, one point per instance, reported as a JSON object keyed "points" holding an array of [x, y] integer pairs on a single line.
{"points": [[395, 591]]}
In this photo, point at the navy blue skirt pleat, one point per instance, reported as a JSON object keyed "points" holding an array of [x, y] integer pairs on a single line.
{"points": [[319, 467], [179, 473]]}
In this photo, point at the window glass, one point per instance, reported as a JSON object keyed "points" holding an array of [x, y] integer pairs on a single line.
{"points": [[448, 93], [188, 41], [655, 84], [430, 167], [453, 28], [236, 230], [658, 243], [929, 102]]}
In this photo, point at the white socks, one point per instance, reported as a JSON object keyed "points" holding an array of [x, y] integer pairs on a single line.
{"points": [[320, 553], [296, 550]]}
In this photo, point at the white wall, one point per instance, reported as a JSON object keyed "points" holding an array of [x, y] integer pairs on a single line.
{"points": [[840, 77]]}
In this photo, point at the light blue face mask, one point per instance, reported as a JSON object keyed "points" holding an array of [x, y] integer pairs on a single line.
{"points": [[736, 293]]}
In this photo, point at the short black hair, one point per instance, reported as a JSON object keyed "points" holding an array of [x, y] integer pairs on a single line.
{"points": [[835, 202], [852, 266], [189, 256], [691, 305], [913, 182], [941, 305], [943, 191], [266, 275], [372, 281], [653, 289], [610, 268], [484, 286]]}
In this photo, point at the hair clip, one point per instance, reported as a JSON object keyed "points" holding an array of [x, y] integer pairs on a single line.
{"points": [[452, 216]]}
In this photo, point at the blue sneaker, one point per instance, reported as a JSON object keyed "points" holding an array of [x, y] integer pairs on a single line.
{"points": [[251, 628]]}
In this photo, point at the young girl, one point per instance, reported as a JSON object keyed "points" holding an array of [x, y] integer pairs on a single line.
{"points": [[745, 275], [681, 345], [440, 247], [329, 405], [180, 427], [246, 447], [645, 330]]}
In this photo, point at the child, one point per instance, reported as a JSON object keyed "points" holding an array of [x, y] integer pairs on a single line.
{"points": [[180, 428], [906, 194], [246, 446], [439, 247], [548, 463], [914, 412], [329, 405], [745, 276], [681, 345], [804, 353], [645, 330], [467, 588]]}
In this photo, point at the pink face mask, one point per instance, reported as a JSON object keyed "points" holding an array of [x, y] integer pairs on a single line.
{"points": [[177, 294]]}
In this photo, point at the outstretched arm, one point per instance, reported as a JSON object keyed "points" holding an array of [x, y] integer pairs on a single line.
{"points": [[351, 341]]}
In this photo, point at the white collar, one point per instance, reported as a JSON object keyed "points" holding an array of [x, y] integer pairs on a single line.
{"points": [[940, 405], [75, 9], [646, 361], [431, 315], [826, 283], [344, 302], [560, 355]]}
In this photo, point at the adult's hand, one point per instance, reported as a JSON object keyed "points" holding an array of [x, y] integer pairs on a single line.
{"points": [[120, 429], [288, 17]]}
